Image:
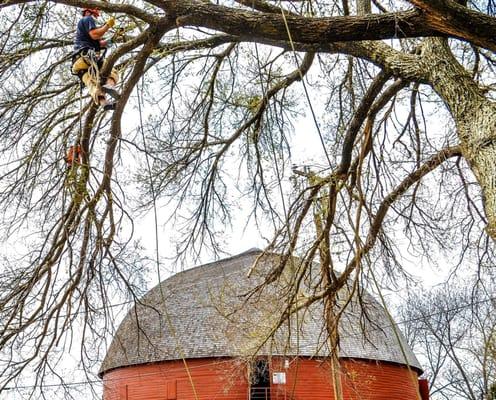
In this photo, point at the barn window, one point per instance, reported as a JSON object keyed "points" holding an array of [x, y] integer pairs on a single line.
{"points": [[260, 380]]}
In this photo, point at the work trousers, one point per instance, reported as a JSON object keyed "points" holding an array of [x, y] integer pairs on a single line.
{"points": [[89, 72]]}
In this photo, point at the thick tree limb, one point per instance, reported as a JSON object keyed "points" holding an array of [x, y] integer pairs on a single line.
{"points": [[453, 19], [413, 23], [303, 29], [357, 121], [431, 18]]}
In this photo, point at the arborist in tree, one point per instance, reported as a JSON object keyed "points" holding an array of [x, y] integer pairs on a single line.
{"points": [[89, 51]]}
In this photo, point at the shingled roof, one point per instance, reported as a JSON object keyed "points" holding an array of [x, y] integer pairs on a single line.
{"points": [[201, 312]]}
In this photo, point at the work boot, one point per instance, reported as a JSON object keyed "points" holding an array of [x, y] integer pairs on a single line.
{"points": [[110, 106], [111, 91]]}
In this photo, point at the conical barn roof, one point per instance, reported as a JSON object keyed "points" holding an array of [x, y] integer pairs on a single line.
{"points": [[202, 313]]}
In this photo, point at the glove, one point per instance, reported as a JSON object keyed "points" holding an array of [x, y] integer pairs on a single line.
{"points": [[111, 22]]}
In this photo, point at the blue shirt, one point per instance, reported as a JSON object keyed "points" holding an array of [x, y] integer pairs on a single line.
{"points": [[83, 39]]}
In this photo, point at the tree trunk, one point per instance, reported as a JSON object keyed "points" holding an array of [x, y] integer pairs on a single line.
{"points": [[474, 116]]}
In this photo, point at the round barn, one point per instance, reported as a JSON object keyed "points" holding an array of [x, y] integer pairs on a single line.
{"points": [[199, 335]]}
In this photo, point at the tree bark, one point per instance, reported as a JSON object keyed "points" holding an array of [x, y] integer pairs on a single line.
{"points": [[468, 25], [303, 29], [454, 19], [474, 116]]}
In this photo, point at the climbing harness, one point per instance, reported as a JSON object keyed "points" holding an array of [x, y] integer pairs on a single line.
{"points": [[86, 65], [88, 61]]}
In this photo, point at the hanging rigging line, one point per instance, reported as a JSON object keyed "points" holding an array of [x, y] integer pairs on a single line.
{"points": [[172, 328], [290, 38]]}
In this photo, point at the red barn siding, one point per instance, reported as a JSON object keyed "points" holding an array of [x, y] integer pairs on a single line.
{"points": [[309, 379], [169, 380], [306, 379], [374, 381]]}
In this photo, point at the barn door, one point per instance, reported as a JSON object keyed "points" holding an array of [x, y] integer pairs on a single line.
{"points": [[260, 381]]}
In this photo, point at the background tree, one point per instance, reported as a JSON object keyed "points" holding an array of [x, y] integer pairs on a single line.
{"points": [[400, 96], [452, 331]]}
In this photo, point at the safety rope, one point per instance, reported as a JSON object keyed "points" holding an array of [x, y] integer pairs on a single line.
{"points": [[80, 109], [93, 72], [492, 11], [397, 333], [272, 145], [290, 38], [172, 328], [73, 157]]}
